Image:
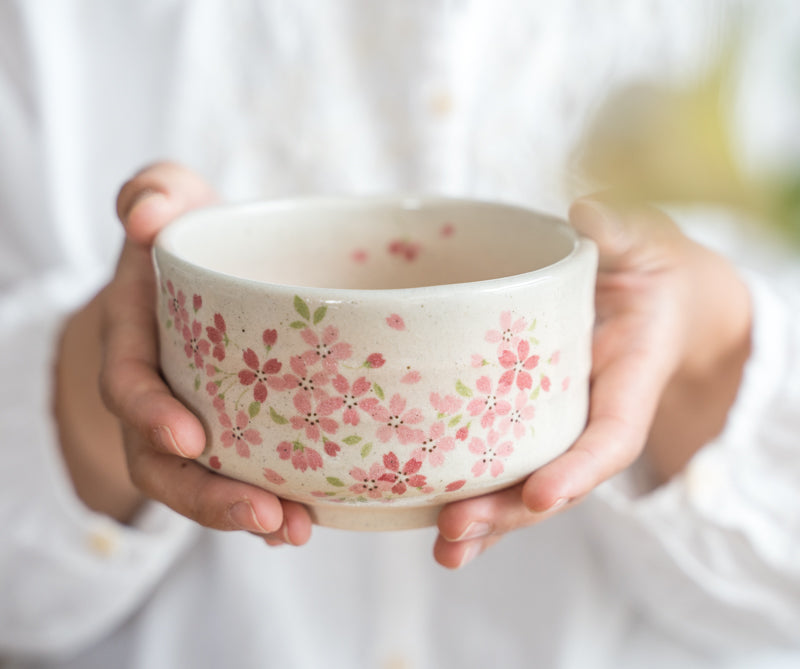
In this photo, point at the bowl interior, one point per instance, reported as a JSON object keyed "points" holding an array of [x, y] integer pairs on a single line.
{"points": [[370, 243]]}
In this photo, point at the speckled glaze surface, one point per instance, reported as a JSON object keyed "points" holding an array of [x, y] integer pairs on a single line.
{"points": [[377, 358]]}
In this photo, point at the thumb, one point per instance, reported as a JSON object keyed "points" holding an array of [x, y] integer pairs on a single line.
{"points": [[158, 194]]}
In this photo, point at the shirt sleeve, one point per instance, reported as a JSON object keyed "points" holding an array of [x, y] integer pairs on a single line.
{"points": [[714, 555], [67, 575]]}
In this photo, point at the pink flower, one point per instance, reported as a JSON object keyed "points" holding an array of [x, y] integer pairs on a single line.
{"points": [[238, 434], [260, 376], [325, 349], [434, 447], [197, 302], [545, 383], [395, 322], [491, 454], [507, 337], [518, 366], [447, 405], [177, 307], [402, 478], [370, 483], [269, 337], [489, 405], [516, 418], [301, 377], [351, 396], [216, 335], [405, 249], [375, 360], [396, 420], [194, 345], [303, 457], [313, 413]]}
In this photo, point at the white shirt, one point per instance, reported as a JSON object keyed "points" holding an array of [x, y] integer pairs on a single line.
{"points": [[267, 99]]}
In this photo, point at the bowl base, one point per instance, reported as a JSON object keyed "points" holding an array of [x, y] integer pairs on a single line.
{"points": [[363, 519]]}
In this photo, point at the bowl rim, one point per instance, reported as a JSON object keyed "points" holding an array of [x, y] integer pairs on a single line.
{"points": [[163, 247]]}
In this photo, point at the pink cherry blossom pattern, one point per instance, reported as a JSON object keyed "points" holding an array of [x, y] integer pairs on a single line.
{"points": [[197, 302], [545, 383], [176, 306], [302, 457], [522, 412], [313, 413], [508, 336], [374, 361], [446, 405], [518, 366], [273, 477], [302, 378], [351, 395], [396, 322], [370, 483], [238, 433], [490, 404], [269, 337], [405, 477], [325, 349], [260, 376], [195, 346], [396, 420], [435, 445], [491, 454], [216, 335]]}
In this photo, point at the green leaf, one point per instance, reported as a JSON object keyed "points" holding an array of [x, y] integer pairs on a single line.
{"points": [[301, 307], [169, 324], [253, 409], [298, 325], [334, 481], [366, 449], [462, 390], [535, 393], [378, 391], [533, 340], [455, 420], [197, 382], [280, 420], [533, 326], [352, 440], [319, 314]]}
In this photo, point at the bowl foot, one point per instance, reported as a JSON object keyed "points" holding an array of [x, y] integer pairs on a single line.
{"points": [[371, 519]]}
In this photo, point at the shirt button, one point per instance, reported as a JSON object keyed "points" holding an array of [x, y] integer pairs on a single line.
{"points": [[102, 542]]}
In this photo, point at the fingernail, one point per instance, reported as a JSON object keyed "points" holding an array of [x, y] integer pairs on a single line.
{"points": [[243, 515], [472, 551], [164, 438], [475, 530], [555, 506], [285, 535]]}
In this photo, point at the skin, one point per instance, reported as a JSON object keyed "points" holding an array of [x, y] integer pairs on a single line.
{"points": [[665, 344]]}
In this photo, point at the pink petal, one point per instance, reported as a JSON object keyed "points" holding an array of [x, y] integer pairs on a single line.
{"points": [[328, 425], [396, 322], [361, 386], [227, 439], [253, 436], [273, 477], [242, 420], [411, 377], [507, 359], [397, 404], [497, 468], [477, 446], [310, 337], [250, 359], [302, 402], [242, 449], [478, 468], [329, 335]]}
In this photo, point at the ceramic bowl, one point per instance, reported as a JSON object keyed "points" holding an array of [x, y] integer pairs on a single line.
{"points": [[377, 358]]}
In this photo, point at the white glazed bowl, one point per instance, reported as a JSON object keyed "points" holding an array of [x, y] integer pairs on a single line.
{"points": [[376, 358]]}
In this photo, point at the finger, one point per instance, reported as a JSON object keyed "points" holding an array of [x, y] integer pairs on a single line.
{"points": [[129, 381], [156, 195], [295, 529], [199, 494], [628, 236], [623, 400], [455, 555]]}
